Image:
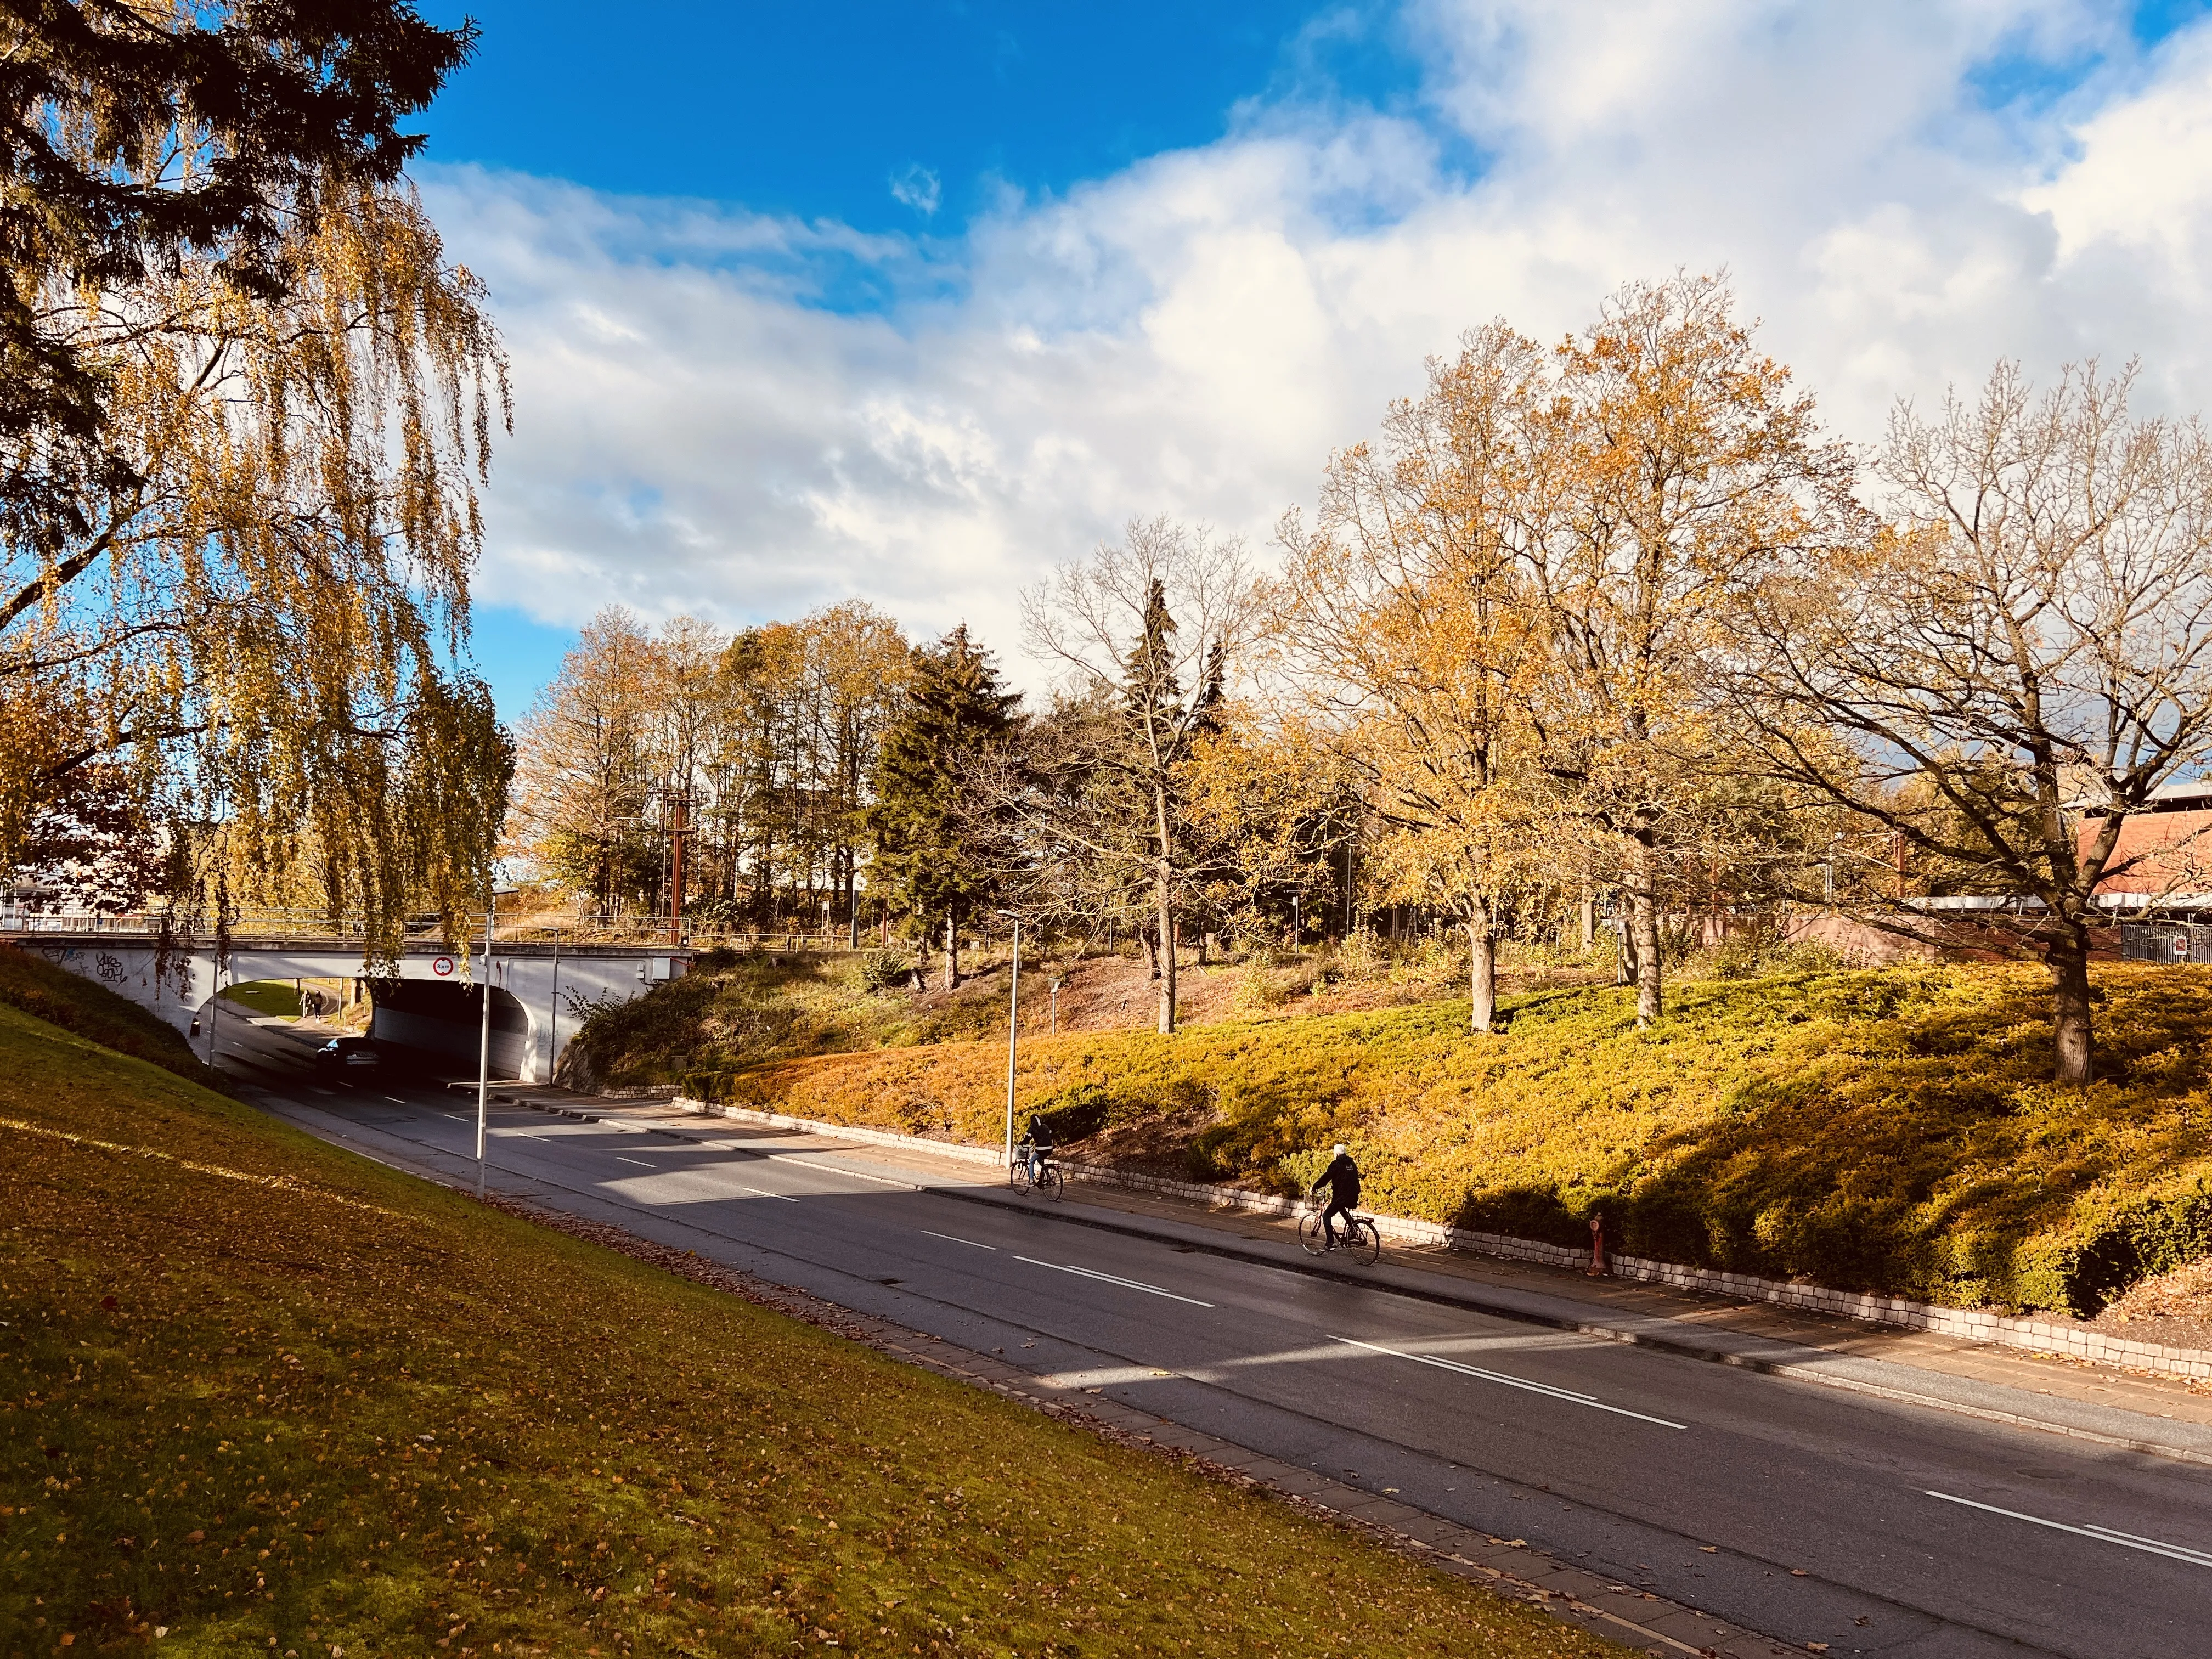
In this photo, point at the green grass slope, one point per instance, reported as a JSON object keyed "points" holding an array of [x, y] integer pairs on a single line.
{"points": [[1889, 1130], [78, 1004], [259, 1394]]}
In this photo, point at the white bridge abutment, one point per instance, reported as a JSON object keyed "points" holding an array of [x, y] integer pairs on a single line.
{"points": [[429, 1004]]}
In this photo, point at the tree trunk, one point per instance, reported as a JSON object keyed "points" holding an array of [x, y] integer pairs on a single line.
{"points": [[1644, 934], [1589, 922], [2073, 1021], [951, 949], [1167, 956], [1152, 948], [1482, 967]]}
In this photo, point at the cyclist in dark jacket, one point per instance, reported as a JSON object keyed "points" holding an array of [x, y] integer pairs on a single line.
{"points": [[1037, 1144], [1342, 1179]]}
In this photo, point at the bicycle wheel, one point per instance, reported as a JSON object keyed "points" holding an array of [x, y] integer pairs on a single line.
{"points": [[1017, 1176], [1364, 1242], [1048, 1183], [1310, 1233]]}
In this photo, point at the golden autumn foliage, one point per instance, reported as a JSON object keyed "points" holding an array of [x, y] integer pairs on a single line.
{"points": [[258, 627]]}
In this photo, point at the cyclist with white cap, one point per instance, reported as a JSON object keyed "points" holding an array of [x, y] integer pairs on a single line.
{"points": [[1342, 1179]]}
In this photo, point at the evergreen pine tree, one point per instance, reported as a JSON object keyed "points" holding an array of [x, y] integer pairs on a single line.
{"points": [[956, 704]]}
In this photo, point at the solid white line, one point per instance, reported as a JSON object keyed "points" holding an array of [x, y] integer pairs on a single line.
{"points": [[1131, 1284], [856, 1175], [1567, 1394], [970, 1243], [457, 1117], [2178, 1552], [640, 1163], [764, 1193], [2102, 1534], [395, 1100]]}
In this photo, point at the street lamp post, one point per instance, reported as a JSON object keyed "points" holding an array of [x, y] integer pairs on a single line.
{"points": [[1013, 1032], [553, 1012], [483, 1046]]}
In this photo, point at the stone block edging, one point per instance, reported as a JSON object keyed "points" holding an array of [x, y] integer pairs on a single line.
{"points": [[2036, 1335]]}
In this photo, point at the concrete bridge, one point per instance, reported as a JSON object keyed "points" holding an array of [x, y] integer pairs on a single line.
{"points": [[428, 1002]]}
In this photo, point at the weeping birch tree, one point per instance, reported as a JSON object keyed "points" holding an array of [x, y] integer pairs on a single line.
{"points": [[252, 611]]}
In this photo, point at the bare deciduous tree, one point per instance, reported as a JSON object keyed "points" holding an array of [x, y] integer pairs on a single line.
{"points": [[2023, 659], [1150, 630]]}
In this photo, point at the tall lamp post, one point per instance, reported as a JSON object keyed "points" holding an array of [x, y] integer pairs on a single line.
{"points": [[484, 1045], [1013, 1031]]}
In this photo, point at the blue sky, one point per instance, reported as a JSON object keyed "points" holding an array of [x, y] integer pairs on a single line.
{"points": [[815, 108], [905, 300], [904, 116]]}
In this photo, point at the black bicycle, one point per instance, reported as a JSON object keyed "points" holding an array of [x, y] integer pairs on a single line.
{"points": [[1357, 1235], [1041, 1175]]}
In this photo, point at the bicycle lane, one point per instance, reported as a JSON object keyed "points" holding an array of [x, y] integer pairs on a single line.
{"points": [[1637, 1461]]}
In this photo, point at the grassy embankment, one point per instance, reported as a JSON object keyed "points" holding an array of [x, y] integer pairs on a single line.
{"points": [[1891, 1130], [737, 1009], [263, 1395]]}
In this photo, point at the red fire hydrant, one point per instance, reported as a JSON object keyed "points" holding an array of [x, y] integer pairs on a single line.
{"points": [[1597, 1267]]}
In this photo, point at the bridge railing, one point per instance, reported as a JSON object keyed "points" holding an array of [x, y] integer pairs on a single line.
{"points": [[279, 925]]}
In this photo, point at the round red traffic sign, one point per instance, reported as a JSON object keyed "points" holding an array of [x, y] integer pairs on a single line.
{"points": [[442, 967]]}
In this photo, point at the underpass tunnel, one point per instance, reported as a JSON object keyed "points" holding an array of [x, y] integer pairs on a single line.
{"points": [[442, 1022]]}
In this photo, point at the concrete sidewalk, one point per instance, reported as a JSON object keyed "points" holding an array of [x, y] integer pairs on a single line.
{"points": [[2139, 1410]]}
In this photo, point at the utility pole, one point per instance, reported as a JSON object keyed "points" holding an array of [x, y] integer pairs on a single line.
{"points": [[676, 875]]}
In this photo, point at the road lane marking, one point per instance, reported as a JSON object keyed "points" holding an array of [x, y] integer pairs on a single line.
{"points": [[764, 1193], [970, 1243], [639, 1162], [395, 1100], [1567, 1394], [2102, 1534], [321, 1091], [1131, 1284], [457, 1117]]}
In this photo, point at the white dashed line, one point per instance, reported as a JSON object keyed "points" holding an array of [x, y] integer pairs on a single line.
{"points": [[1546, 1389], [970, 1243], [1128, 1284]]}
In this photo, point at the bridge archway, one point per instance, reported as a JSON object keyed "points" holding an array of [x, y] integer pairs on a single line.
{"points": [[444, 1023], [535, 984]]}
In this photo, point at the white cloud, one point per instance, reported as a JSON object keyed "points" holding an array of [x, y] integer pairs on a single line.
{"points": [[918, 187], [746, 416]]}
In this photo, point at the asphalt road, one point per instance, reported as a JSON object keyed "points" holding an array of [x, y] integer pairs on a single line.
{"points": [[1805, 1512]]}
